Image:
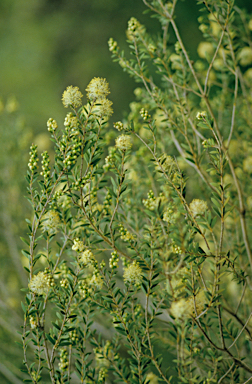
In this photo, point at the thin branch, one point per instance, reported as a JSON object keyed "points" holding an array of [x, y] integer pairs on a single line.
{"points": [[239, 334], [225, 375], [234, 109]]}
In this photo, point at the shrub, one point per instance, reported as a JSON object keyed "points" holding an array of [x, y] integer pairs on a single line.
{"points": [[139, 254]]}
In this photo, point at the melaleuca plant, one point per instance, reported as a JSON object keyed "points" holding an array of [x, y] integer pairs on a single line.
{"points": [[139, 254]]}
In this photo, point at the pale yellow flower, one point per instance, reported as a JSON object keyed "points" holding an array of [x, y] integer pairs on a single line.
{"points": [[39, 284], [247, 164], [179, 309], [198, 207], [133, 274], [201, 115], [71, 97], [78, 245], [33, 322], [96, 280], [123, 142], [205, 49], [50, 222], [248, 74], [245, 56], [249, 202], [97, 89], [151, 378], [86, 257], [103, 108], [165, 163], [216, 29], [200, 301]]}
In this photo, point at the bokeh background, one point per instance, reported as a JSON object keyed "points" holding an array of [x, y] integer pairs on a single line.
{"points": [[46, 45]]}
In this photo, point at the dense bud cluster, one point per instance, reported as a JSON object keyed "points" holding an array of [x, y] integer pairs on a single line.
{"points": [[33, 161], [119, 126], [64, 283], [112, 45], [71, 123], [45, 166], [113, 261], [52, 125], [73, 336], [134, 28], [78, 245], [152, 202], [107, 202], [84, 289], [176, 249], [168, 216], [125, 234], [102, 375], [63, 364], [145, 114], [110, 159], [49, 278]]}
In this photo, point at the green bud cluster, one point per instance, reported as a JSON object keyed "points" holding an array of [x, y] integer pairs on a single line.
{"points": [[73, 336], [113, 261], [125, 234], [52, 125], [33, 161], [110, 159], [102, 375], [49, 278], [113, 46], [107, 202], [72, 152], [64, 283], [84, 289], [119, 126], [45, 166], [145, 114], [63, 364]]}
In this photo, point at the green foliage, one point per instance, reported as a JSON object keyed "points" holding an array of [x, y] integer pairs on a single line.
{"points": [[14, 143], [135, 253]]}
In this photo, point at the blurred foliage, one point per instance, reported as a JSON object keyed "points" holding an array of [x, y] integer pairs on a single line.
{"points": [[15, 138], [46, 45]]}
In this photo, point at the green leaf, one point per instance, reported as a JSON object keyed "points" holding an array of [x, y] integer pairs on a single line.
{"points": [[120, 330], [216, 203], [50, 338], [25, 241], [23, 307]]}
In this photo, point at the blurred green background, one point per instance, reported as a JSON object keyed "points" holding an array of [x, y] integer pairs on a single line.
{"points": [[46, 45]]}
